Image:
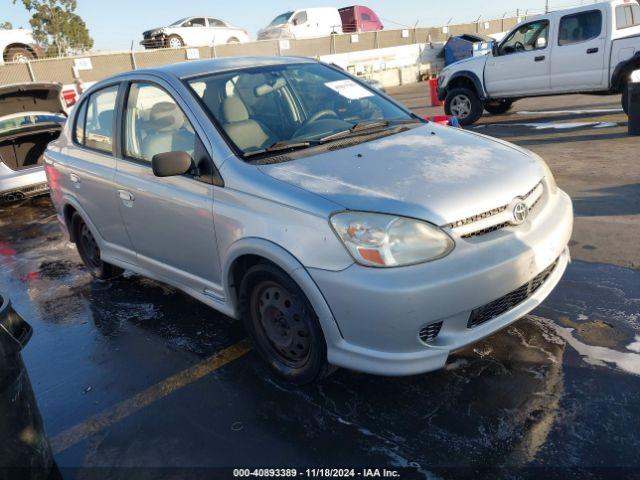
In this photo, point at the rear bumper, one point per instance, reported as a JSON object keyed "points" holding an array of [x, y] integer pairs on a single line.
{"points": [[381, 312], [22, 183]]}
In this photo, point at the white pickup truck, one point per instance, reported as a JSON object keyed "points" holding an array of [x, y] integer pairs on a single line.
{"points": [[590, 49], [18, 45]]}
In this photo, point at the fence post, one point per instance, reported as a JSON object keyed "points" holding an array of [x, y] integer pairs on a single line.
{"points": [[31, 74], [134, 65], [332, 47], [376, 41]]}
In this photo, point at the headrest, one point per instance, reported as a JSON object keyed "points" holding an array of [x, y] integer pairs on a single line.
{"points": [[166, 117], [105, 119], [234, 110]]}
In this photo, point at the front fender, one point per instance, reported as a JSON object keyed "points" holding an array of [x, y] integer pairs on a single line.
{"points": [[465, 74], [287, 262], [622, 71]]}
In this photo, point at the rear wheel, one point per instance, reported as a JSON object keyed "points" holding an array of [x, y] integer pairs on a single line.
{"points": [[498, 107], [625, 98], [283, 325], [233, 40], [174, 41], [464, 104], [90, 251], [18, 55]]}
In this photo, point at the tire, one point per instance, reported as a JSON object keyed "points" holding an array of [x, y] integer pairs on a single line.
{"points": [[174, 41], [90, 252], [19, 55], [283, 325], [498, 108], [232, 40], [625, 98], [464, 104]]}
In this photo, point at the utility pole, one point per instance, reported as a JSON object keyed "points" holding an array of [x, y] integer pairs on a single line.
{"points": [[546, 6]]}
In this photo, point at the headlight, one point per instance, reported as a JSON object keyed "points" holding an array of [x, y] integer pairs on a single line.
{"points": [[379, 240]]}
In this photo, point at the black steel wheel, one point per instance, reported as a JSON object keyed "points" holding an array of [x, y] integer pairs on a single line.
{"points": [[498, 107], [89, 251], [282, 324]]}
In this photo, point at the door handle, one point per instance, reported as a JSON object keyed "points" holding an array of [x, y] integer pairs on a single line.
{"points": [[593, 50], [540, 58], [126, 196]]}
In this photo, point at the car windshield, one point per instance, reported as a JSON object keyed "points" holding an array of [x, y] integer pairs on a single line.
{"points": [[179, 22], [25, 121], [280, 19], [270, 108]]}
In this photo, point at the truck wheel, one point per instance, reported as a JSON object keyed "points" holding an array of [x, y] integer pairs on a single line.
{"points": [[90, 252], [282, 324], [232, 40], [18, 55], [174, 41], [625, 98], [499, 107], [464, 104]]}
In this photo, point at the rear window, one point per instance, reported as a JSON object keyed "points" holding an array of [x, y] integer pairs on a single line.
{"points": [[580, 27], [627, 16], [94, 122]]}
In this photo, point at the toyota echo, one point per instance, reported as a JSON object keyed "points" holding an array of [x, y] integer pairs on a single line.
{"points": [[339, 227]]}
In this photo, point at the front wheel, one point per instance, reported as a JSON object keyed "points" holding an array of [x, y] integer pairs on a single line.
{"points": [[464, 104], [625, 98], [499, 107], [19, 55], [174, 41], [283, 325], [90, 251]]}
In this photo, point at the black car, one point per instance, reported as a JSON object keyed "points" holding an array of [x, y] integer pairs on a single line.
{"points": [[24, 449]]}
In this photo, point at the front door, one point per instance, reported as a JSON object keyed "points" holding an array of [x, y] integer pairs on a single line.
{"points": [[170, 219], [578, 60], [522, 63], [195, 32]]}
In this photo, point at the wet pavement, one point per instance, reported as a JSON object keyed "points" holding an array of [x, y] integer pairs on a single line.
{"points": [[131, 373]]}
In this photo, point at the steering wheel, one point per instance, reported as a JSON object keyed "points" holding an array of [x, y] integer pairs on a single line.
{"points": [[519, 46], [321, 114]]}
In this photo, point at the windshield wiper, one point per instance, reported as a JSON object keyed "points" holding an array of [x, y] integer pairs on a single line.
{"points": [[362, 127], [279, 147]]}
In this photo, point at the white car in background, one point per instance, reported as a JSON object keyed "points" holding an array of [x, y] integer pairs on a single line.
{"points": [[194, 32], [18, 45]]}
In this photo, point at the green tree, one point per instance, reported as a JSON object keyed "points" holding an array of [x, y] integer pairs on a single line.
{"points": [[57, 27], [6, 26]]}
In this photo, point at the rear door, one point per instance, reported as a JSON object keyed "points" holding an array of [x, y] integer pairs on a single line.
{"points": [[169, 220], [578, 60], [89, 176], [522, 65], [218, 32]]}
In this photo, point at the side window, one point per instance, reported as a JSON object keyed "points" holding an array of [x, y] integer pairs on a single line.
{"points": [[198, 22], [214, 22], [155, 124], [527, 37], [580, 27], [627, 16], [366, 17], [100, 111], [300, 18], [81, 120]]}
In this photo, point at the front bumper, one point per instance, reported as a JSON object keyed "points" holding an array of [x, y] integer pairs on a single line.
{"points": [[159, 41], [380, 312], [15, 185]]}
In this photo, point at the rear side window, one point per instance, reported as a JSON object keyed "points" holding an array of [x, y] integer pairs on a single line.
{"points": [[580, 27], [627, 16], [94, 123]]}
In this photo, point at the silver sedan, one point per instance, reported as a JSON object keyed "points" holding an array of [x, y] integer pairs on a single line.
{"points": [[339, 227]]}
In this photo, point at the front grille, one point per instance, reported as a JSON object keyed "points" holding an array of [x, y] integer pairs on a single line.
{"points": [[428, 333], [510, 300], [493, 213]]}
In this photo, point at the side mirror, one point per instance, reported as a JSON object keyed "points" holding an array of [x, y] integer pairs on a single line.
{"points": [[295, 22], [541, 43], [495, 49], [171, 164]]}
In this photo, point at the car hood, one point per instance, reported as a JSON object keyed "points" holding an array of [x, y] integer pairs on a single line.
{"points": [[30, 97], [439, 174]]}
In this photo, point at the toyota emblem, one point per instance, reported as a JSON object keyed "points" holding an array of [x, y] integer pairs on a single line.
{"points": [[520, 213]]}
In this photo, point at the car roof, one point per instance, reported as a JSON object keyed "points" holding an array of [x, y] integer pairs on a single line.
{"points": [[196, 68]]}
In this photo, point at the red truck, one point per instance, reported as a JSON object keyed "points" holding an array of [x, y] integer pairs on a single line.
{"points": [[358, 19]]}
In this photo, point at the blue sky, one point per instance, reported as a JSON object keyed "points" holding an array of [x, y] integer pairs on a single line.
{"points": [[114, 24]]}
